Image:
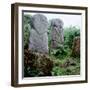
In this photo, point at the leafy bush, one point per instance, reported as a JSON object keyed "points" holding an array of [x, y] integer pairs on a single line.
{"points": [[27, 28], [37, 64], [65, 67], [60, 52], [27, 19], [57, 71], [69, 34]]}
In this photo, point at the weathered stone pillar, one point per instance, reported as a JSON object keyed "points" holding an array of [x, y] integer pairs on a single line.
{"points": [[57, 35], [38, 34]]}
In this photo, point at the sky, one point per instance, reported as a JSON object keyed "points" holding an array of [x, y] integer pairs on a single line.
{"points": [[68, 19]]}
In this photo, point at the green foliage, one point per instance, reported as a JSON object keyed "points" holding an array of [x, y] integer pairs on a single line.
{"points": [[26, 34], [27, 28], [63, 68], [69, 34], [58, 71], [59, 53], [30, 72], [27, 19]]}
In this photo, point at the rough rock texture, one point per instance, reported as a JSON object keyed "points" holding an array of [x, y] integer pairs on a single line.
{"points": [[57, 35], [76, 46], [38, 34], [36, 64]]}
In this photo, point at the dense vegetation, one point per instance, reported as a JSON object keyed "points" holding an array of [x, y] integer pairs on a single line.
{"points": [[26, 31], [63, 61]]}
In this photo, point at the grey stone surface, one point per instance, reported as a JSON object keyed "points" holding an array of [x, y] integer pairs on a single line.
{"points": [[40, 23], [57, 35], [38, 34]]}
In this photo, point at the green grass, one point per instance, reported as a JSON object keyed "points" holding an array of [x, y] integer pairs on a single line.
{"points": [[62, 68]]}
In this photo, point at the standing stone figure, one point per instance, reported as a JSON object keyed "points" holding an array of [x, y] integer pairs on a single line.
{"points": [[76, 47], [57, 35], [38, 34]]}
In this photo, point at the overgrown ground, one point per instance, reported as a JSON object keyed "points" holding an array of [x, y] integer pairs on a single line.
{"points": [[64, 62]]}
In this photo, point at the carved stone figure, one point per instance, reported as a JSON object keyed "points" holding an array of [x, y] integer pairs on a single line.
{"points": [[38, 34], [57, 35]]}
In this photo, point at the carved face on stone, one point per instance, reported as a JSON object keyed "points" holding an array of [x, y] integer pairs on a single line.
{"points": [[57, 35], [57, 24], [38, 34], [40, 23]]}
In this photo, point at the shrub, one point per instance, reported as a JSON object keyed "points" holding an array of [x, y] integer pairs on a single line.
{"points": [[57, 71], [59, 53], [27, 28], [69, 34], [36, 64]]}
